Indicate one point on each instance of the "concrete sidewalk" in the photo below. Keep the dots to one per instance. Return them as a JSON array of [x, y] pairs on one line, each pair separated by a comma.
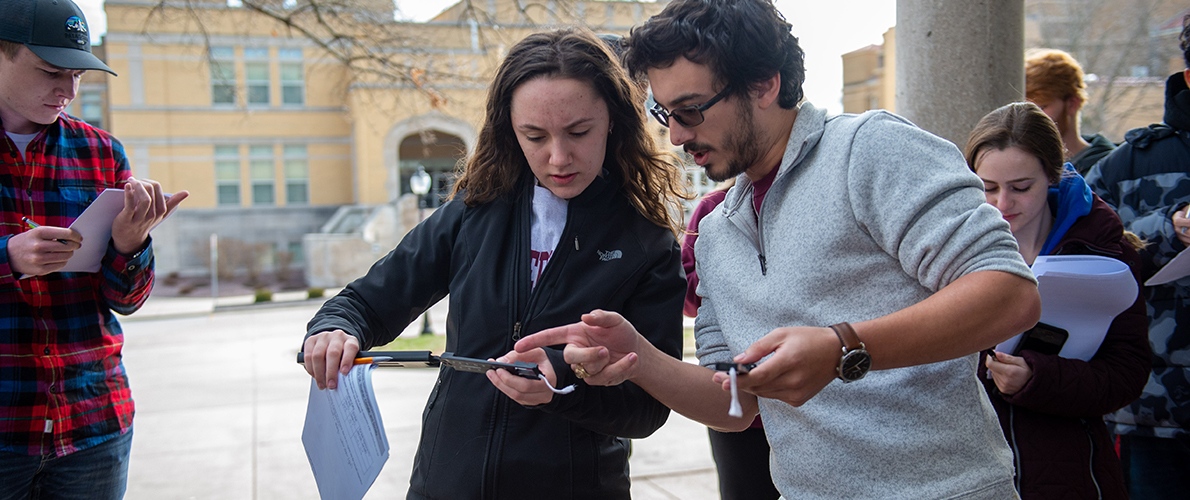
[[221, 403]]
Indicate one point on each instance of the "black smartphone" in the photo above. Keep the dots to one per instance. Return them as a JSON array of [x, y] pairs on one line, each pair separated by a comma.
[[518, 368], [396, 358], [1042, 339], [739, 367]]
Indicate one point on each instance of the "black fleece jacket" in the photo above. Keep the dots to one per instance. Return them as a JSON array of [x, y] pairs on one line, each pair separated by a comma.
[[475, 441]]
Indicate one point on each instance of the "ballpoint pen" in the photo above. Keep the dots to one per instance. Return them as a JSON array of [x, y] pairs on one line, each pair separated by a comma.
[[33, 225]]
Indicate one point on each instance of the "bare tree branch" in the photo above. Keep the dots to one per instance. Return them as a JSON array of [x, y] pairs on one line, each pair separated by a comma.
[[373, 47]]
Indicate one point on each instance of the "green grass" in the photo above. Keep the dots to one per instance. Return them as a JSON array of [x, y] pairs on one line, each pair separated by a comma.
[[432, 343], [437, 343]]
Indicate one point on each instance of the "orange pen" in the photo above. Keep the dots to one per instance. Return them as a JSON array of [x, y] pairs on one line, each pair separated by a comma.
[[368, 361]]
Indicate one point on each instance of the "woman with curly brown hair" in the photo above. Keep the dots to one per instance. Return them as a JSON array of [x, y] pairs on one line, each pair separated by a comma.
[[566, 206]]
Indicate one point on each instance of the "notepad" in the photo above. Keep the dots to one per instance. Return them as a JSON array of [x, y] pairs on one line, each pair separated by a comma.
[[95, 224]]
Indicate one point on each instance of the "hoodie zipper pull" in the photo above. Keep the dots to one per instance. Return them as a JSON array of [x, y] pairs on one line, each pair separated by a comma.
[[764, 265], [576, 243], [516, 331]]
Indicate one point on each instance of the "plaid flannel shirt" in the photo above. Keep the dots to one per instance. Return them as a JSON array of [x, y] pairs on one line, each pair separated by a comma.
[[62, 384]]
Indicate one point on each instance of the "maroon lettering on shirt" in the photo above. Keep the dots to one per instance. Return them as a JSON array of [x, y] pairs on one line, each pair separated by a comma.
[[537, 262]]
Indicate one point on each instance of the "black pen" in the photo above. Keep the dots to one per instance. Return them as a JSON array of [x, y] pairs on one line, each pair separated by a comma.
[[34, 225]]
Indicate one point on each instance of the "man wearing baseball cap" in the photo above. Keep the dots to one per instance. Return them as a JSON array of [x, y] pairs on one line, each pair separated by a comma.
[[65, 407]]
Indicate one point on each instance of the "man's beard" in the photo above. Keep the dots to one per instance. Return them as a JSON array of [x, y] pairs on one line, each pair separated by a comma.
[[744, 144]]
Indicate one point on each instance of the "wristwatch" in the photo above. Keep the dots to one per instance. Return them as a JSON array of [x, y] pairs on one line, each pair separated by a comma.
[[856, 361]]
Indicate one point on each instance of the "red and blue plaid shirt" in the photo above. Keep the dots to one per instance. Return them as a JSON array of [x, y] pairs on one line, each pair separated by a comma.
[[62, 384]]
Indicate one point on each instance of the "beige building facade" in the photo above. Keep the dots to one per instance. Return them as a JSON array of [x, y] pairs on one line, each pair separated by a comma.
[[297, 160]]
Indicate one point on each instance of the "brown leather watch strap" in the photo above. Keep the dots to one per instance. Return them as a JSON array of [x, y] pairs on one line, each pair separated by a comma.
[[847, 336]]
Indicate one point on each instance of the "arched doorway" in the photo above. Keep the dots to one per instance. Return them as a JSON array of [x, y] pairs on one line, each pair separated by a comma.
[[433, 140], [438, 152]]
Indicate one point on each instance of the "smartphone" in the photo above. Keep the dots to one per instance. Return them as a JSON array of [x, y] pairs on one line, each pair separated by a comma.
[[739, 367], [398, 358], [1042, 339], [518, 368]]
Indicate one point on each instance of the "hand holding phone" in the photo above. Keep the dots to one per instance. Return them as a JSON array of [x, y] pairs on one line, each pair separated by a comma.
[[476, 365], [1042, 339], [739, 367], [735, 409]]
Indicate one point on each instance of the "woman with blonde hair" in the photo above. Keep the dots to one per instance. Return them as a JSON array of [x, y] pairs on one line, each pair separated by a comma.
[[565, 206]]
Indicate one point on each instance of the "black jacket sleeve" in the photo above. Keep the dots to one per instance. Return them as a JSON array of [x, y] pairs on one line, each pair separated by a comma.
[[399, 287]]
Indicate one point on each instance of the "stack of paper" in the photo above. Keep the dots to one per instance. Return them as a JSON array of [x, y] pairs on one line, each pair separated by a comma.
[[1081, 294], [344, 436]]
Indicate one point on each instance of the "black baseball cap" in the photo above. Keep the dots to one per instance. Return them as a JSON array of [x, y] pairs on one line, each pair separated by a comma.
[[55, 30]]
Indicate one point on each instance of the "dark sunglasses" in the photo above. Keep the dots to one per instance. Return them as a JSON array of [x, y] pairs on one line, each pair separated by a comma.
[[688, 116]]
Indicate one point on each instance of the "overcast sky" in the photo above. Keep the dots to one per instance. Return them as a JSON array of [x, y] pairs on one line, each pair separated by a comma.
[[825, 29]]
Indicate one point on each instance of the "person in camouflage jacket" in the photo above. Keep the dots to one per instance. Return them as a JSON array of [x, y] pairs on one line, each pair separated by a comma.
[[1147, 181]]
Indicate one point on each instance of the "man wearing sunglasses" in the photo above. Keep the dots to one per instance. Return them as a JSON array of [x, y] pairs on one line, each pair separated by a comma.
[[848, 244]]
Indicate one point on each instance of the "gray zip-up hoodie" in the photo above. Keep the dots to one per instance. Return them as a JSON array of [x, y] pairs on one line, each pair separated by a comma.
[[868, 215]]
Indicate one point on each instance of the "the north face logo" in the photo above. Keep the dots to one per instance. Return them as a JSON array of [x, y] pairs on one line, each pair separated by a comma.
[[609, 255]]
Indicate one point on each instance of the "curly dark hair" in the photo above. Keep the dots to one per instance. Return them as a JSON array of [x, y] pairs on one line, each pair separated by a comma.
[[744, 42], [652, 178], [1185, 39]]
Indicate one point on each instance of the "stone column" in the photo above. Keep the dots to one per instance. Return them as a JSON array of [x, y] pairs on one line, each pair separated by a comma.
[[956, 61]]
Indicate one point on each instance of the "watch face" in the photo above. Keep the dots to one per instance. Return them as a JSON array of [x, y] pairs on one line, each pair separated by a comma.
[[854, 365]]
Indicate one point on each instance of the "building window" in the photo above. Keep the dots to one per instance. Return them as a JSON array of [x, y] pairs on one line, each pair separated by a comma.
[[227, 175], [293, 85], [297, 175], [296, 254], [256, 75], [91, 108], [261, 171], [223, 75]]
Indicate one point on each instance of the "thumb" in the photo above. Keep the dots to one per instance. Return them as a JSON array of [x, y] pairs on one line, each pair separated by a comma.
[[602, 319], [174, 199]]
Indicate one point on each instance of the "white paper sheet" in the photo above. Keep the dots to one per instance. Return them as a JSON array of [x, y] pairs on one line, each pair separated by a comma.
[[1176, 269], [1081, 294], [95, 224], [344, 436]]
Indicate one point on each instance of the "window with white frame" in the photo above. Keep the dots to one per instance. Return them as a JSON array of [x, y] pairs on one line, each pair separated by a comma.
[[227, 175], [297, 174], [262, 173], [91, 107], [256, 75], [223, 75], [293, 83]]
